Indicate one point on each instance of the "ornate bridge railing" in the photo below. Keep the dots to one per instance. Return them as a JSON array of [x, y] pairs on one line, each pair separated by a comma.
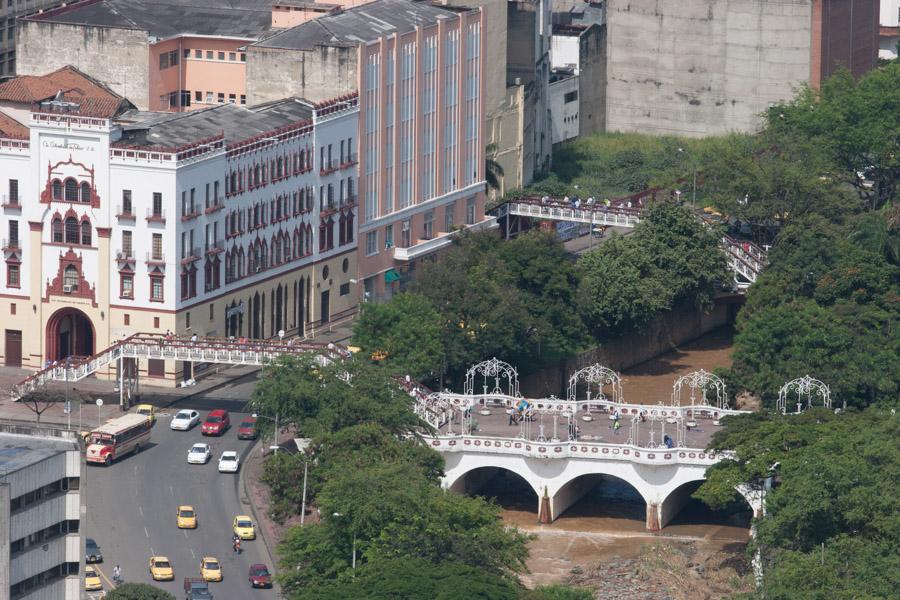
[[575, 449]]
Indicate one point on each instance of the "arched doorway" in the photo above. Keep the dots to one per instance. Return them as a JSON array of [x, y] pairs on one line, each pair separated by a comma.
[[69, 333]]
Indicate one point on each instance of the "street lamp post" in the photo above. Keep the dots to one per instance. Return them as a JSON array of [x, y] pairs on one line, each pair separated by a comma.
[[353, 559], [274, 446]]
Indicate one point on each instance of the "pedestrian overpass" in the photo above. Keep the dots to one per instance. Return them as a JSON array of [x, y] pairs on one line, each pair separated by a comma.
[[225, 351], [746, 260]]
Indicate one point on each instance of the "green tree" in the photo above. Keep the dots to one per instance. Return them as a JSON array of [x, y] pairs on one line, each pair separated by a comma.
[[317, 399], [672, 259], [493, 170], [138, 591], [413, 578], [856, 123], [281, 472], [407, 330], [557, 592], [832, 524]]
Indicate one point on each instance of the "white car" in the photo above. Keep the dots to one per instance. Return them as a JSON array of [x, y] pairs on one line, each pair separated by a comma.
[[185, 420], [229, 462], [199, 454]]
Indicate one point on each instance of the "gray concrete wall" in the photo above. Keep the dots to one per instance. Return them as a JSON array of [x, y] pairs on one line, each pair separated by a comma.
[[702, 67], [117, 57], [592, 81], [4, 539], [316, 75], [665, 333]]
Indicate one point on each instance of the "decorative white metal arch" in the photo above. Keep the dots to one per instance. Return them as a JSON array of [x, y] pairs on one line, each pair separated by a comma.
[[499, 371], [807, 389], [703, 382], [599, 376]]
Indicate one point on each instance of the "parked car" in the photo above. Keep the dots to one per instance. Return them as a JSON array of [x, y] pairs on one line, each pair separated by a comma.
[[217, 423], [247, 430], [185, 420], [199, 454], [92, 552], [229, 462], [259, 576]]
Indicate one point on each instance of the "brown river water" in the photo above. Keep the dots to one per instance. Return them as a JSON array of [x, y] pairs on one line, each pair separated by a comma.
[[608, 522]]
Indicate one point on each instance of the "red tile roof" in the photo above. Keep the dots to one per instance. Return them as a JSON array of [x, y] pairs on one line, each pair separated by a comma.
[[95, 98], [10, 128]]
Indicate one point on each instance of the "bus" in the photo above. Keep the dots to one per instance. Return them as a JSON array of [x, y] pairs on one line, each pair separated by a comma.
[[117, 438]]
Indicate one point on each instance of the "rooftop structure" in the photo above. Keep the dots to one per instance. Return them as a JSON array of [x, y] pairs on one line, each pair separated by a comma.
[[168, 18]]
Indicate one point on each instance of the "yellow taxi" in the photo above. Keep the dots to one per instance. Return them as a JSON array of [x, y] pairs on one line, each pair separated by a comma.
[[147, 409], [92, 579], [210, 569], [187, 518], [161, 569], [243, 527]]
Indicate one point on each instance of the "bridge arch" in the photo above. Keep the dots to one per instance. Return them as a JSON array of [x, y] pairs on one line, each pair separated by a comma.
[[477, 480], [679, 497], [579, 486]]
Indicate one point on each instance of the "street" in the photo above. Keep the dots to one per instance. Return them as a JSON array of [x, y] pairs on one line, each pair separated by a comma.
[[132, 505]]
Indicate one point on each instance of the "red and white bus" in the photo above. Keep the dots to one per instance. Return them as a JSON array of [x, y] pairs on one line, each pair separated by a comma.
[[117, 438]]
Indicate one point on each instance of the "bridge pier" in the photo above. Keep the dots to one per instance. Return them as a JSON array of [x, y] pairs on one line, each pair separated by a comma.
[[568, 495]]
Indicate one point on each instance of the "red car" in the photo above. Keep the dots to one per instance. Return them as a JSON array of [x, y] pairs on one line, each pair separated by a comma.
[[259, 576], [247, 430], [217, 423]]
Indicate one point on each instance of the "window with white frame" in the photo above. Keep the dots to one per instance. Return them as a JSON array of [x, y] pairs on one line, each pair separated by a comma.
[[371, 243]]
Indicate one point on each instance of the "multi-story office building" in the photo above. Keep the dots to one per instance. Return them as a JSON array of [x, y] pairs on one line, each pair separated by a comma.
[[419, 71], [41, 502], [224, 221]]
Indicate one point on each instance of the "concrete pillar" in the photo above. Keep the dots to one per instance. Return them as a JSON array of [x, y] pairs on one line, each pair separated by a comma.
[[653, 517]]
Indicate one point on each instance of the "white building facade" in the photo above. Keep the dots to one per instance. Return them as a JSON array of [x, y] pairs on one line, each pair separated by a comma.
[[225, 221], [41, 504]]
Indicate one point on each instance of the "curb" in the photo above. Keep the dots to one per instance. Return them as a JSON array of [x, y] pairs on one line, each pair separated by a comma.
[[242, 479]]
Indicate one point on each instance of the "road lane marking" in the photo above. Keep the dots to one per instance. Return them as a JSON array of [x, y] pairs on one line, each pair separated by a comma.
[[103, 575], [141, 510], [194, 556], [152, 552], [171, 491], [147, 533]]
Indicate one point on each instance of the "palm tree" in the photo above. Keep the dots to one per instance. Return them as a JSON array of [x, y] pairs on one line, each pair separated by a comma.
[[493, 171]]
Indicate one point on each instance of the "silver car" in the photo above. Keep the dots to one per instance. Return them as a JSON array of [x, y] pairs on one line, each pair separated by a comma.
[[185, 420], [199, 454]]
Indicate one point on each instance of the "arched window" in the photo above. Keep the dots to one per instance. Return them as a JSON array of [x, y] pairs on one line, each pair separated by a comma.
[[86, 233], [57, 230], [298, 246], [276, 252], [71, 230], [70, 277], [57, 189], [286, 242], [71, 190], [85, 191], [240, 263]]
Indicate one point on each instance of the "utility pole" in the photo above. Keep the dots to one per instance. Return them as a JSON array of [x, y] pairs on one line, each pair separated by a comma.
[[303, 505]]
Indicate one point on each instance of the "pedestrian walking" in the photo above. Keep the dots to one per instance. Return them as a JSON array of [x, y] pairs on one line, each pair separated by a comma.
[[616, 427]]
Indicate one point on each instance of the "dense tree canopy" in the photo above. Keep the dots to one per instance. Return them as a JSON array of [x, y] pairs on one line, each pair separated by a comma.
[[672, 259], [832, 525], [484, 297]]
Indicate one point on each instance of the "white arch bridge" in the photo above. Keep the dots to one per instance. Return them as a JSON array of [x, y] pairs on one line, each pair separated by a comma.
[[560, 446]]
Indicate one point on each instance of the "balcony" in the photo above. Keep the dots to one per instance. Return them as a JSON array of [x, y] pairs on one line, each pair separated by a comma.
[[350, 161], [213, 208], [191, 255], [192, 213], [124, 255], [124, 214], [155, 258], [442, 240], [11, 245], [154, 216], [348, 201], [215, 247], [329, 168], [12, 202]]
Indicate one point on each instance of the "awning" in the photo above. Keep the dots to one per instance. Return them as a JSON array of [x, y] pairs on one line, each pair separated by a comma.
[[391, 275]]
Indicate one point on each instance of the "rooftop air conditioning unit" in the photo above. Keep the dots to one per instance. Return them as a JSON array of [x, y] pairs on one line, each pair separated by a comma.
[[67, 289]]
